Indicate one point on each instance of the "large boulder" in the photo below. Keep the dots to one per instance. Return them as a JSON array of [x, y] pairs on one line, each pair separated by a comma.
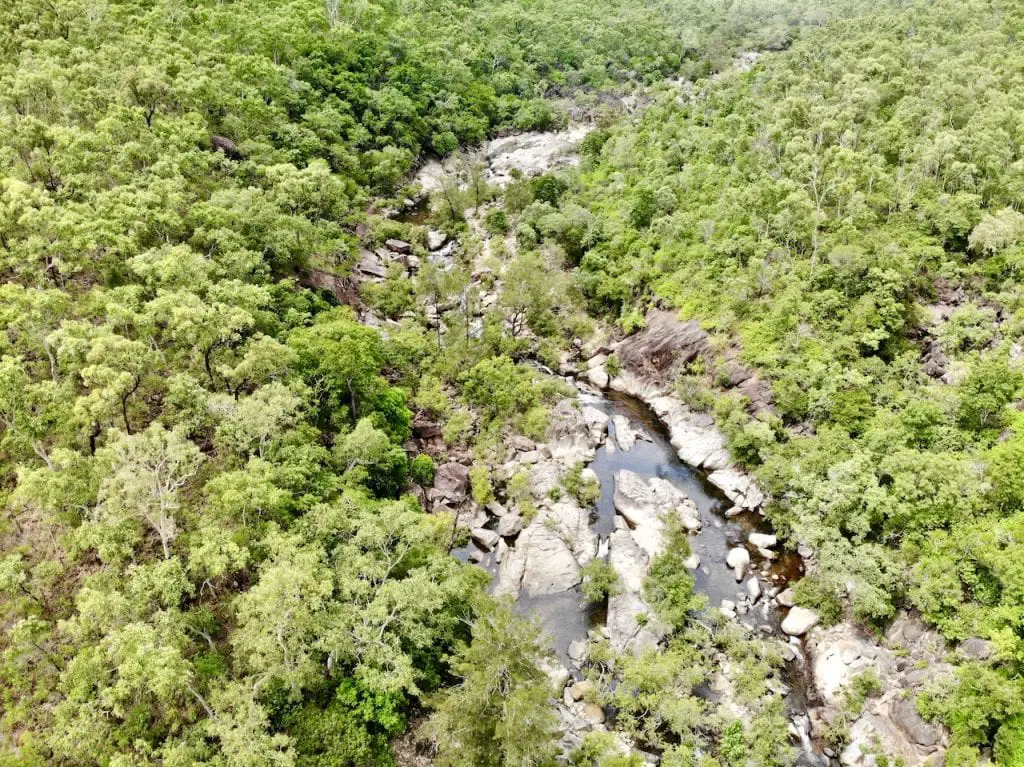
[[370, 265], [659, 351], [644, 502], [799, 621], [737, 559], [551, 566], [574, 432], [398, 246], [549, 552], [451, 483], [436, 239], [738, 486], [598, 378]]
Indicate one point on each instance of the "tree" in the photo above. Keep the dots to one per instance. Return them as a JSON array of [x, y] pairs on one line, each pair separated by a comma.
[[500, 712], [148, 473]]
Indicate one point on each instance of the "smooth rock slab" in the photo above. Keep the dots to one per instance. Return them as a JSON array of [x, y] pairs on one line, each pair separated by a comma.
[[625, 631], [625, 434], [628, 559]]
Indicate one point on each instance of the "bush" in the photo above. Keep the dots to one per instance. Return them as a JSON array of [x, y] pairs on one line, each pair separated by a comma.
[[480, 483], [421, 470], [600, 580], [495, 221]]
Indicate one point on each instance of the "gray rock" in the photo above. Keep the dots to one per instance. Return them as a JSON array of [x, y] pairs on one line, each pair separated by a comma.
[[486, 539], [509, 525], [370, 265], [628, 559], [520, 443], [642, 502], [556, 673], [786, 598], [738, 487], [696, 439], [625, 630], [753, 587], [762, 541], [976, 648], [598, 378], [799, 621], [904, 713], [625, 435], [398, 246], [550, 564], [575, 432], [436, 239], [578, 650]]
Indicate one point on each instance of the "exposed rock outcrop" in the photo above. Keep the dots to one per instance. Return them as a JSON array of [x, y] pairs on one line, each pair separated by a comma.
[[575, 431], [644, 502], [889, 723]]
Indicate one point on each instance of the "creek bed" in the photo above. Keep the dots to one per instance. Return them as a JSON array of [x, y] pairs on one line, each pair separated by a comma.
[[566, 617]]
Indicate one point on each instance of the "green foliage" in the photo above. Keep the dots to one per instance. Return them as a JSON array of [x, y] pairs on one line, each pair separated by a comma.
[[481, 487], [498, 713], [586, 490], [496, 221], [600, 580], [669, 585], [421, 470]]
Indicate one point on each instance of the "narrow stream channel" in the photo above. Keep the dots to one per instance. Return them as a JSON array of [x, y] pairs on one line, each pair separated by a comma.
[[567, 617]]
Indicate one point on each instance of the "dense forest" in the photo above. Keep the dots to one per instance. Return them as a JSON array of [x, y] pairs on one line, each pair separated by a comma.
[[214, 547], [848, 214]]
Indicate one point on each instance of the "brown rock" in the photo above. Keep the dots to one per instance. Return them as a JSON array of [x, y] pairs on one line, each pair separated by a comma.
[[451, 482], [399, 246]]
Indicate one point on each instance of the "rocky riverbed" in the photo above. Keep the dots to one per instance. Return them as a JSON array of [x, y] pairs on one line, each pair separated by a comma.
[[650, 456]]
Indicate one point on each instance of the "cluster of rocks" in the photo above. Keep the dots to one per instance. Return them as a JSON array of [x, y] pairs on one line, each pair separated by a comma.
[[649, 363], [373, 264], [577, 708], [642, 507], [797, 621], [530, 154], [540, 547], [910, 657]]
